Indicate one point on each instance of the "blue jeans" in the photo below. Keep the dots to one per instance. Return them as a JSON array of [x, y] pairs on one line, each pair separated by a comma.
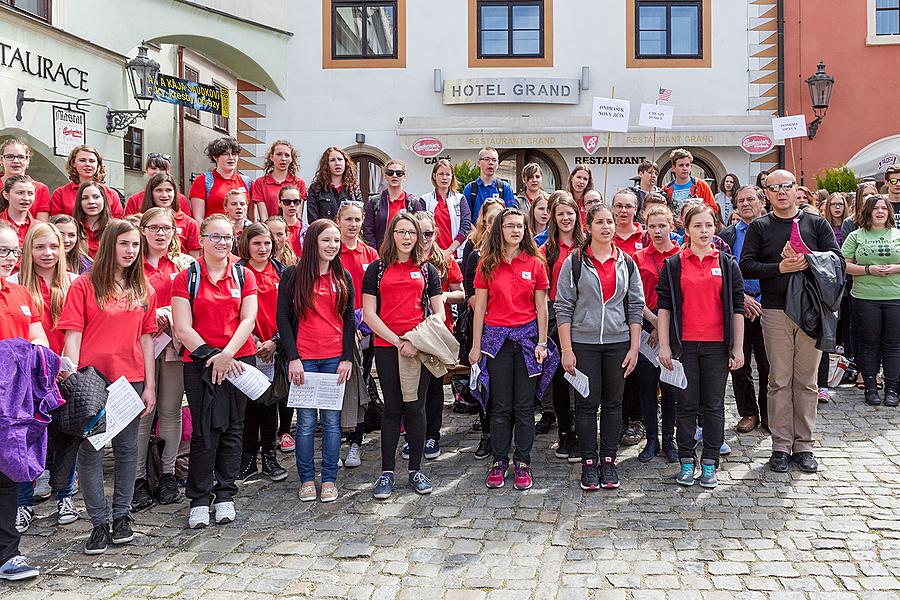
[[26, 490], [331, 431]]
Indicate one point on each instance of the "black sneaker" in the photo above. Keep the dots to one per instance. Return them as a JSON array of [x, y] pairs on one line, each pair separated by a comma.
[[545, 423], [99, 540], [141, 498], [168, 489], [121, 530], [564, 446], [484, 448], [609, 476], [632, 434], [590, 477], [271, 468], [805, 461], [574, 450], [780, 462], [248, 466]]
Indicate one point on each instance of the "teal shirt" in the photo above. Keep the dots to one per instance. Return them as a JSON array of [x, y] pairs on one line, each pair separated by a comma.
[[871, 247]]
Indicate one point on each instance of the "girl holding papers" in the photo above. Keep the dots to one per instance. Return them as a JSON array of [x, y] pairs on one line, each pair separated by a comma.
[[599, 308], [704, 329], [109, 318]]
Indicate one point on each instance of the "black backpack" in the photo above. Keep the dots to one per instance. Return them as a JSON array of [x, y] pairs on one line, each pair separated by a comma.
[[237, 271], [473, 192], [423, 269]]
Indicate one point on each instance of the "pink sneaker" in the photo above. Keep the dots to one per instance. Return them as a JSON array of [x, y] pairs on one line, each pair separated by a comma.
[[523, 477], [824, 395], [497, 475], [286, 443]]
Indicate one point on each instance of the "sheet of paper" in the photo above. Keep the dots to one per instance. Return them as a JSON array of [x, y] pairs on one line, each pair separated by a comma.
[[66, 365], [122, 405], [675, 377], [160, 342], [648, 351], [474, 372], [251, 381], [319, 390], [580, 382], [266, 368]]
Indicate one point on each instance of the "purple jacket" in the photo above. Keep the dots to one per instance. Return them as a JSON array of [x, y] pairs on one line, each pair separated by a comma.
[[375, 221], [493, 338], [28, 394]]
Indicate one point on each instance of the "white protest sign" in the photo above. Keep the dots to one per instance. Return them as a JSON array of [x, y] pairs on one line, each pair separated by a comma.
[[610, 114], [656, 115], [785, 128]]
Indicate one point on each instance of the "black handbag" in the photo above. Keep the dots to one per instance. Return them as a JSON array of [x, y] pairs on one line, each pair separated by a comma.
[[84, 413], [280, 387]]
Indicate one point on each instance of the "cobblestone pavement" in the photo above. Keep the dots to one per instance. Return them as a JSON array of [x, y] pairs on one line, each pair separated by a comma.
[[835, 534]]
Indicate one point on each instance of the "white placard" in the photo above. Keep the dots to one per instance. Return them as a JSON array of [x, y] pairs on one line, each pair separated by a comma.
[[250, 381], [122, 405], [160, 342], [785, 128], [580, 382], [319, 390], [649, 352], [674, 377], [656, 115], [609, 114]]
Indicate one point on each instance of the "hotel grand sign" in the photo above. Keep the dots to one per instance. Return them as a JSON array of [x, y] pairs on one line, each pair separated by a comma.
[[514, 90]]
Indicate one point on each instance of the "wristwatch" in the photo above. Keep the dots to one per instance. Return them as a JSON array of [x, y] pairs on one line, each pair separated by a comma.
[[542, 345]]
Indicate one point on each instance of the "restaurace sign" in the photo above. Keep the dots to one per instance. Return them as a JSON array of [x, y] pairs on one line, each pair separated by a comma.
[[36, 65]]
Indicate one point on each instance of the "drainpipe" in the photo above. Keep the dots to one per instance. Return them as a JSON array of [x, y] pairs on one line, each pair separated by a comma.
[[181, 122]]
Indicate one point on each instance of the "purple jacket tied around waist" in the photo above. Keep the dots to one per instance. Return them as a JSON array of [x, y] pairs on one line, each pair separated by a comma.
[[493, 338], [28, 394]]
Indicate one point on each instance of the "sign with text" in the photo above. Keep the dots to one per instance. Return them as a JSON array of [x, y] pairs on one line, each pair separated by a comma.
[[68, 130], [518, 90], [785, 128], [192, 94], [757, 143], [427, 147], [656, 115], [609, 114]]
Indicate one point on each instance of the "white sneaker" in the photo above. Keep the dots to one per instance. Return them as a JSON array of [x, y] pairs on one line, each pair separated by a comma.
[[354, 458], [42, 489], [67, 511], [224, 512], [199, 517], [24, 517]]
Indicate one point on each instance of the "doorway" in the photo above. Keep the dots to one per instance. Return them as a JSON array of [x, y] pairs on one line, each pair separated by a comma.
[[700, 169], [513, 161], [369, 173]]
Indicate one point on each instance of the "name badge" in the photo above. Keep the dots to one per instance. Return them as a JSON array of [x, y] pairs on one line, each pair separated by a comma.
[[365, 266], [415, 275], [25, 310], [526, 275], [178, 230], [172, 276], [638, 246], [333, 288], [716, 272], [235, 293]]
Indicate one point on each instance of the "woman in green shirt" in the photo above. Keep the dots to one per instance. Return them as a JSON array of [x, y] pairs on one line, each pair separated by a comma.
[[873, 259]]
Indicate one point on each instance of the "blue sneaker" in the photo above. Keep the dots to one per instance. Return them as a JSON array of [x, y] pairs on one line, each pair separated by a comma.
[[17, 568], [698, 435], [404, 452], [432, 449], [725, 449], [384, 486], [708, 473], [420, 482], [686, 476]]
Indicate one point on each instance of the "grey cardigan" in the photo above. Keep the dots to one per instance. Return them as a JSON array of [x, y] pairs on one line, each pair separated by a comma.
[[580, 304]]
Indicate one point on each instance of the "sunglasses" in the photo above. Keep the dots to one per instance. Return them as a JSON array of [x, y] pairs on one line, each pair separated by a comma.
[[893, 181], [292, 202], [158, 155], [394, 172]]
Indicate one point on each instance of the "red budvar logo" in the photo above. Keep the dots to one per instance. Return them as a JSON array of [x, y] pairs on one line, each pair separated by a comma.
[[590, 143], [75, 133], [427, 147], [757, 143]]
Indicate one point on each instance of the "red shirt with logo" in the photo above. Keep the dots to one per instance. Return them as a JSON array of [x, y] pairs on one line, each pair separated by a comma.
[[215, 204], [356, 261], [63, 200], [267, 300], [701, 292], [606, 272], [395, 206], [320, 331], [400, 291], [632, 243], [442, 223], [160, 279], [265, 189], [564, 251], [511, 289], [188, 232], [649, 262], [17, 311]]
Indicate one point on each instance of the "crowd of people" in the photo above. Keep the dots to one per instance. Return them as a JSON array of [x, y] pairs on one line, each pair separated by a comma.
[[620, 319]]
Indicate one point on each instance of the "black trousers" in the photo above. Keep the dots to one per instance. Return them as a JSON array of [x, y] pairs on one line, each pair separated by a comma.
[[602, 363], [285, 418], [9, 503], [749, 404], [648, 385], [412, 413], [221, 457], [512, 404], [706, 367], [259, 427], [368, 356], [879, 337], [631, 400], [434, 409]]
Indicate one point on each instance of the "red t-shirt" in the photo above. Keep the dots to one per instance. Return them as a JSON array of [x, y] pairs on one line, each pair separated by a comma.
[[320, 332], [265, 189], [295, 233], [701, 292], [356, 262], [267, 300], [395, 206], [188, 232], [564, 251], [92, 240], [511, 290], [63, 200], [111, 337], [217, 308], [17, 311], [401, 295], [134, 202], [632, 243], [650, 262], [606, 272], [55, 336], [443, 224], [215, 204], [454, 276], [22, 229], [160, 279]]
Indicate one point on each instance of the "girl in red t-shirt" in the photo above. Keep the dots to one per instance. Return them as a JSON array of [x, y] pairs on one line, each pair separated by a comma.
[[394, 289], [510, 297], [16, 200], [581, 181], [84, 165], [92, 215], [15, 156], [162, 191], [109, 318]]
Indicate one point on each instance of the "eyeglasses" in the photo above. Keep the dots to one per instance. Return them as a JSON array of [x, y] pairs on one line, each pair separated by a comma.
[[356, 203], [405, 232], [216, 238], [18, 157], [4, 252], [779, 187], [427, 234], [622, 206], [394, 172], [159, 228], [158, 155], [514, 226], [892, 180], [487, 159], [293, 202]]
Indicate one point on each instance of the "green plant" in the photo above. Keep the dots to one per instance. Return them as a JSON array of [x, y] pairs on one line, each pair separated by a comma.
[[837, 179], [466, 173]]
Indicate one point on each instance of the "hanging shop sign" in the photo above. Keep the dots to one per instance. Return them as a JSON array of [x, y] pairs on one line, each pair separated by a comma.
[[192, 94], [527, 90], [757, 143], [42, 67], [68, 130]]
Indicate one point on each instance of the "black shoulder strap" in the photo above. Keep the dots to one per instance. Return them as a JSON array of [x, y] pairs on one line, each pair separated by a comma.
[[426, 305], [193, 282], [576, 267], [473, 193], [381, 268]]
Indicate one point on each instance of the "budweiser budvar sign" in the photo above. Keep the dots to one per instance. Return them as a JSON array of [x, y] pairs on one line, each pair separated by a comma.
[[757, 143], [427, 147]]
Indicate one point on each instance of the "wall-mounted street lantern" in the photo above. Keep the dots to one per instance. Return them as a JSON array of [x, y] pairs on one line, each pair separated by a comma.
[[820, 86], [142, 71]]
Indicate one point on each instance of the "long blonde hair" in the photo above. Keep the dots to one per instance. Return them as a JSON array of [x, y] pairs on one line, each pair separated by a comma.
[[286, 254], [150, 214], [29, 278], [480, 231], [438, 257]]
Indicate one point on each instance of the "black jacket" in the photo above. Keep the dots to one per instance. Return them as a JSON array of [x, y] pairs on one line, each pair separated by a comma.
[[669, 292], [376, 213], [814, 298], [218, 403], [324, 203], [288, 322]]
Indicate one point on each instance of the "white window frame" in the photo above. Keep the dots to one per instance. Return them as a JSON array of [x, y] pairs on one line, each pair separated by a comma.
[[872, 39]]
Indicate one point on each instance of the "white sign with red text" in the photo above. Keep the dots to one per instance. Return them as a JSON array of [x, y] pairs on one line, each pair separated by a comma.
[[68, 130]]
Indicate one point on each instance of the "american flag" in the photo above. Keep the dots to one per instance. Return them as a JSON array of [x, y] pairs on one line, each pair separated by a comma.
[[664, 94]]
